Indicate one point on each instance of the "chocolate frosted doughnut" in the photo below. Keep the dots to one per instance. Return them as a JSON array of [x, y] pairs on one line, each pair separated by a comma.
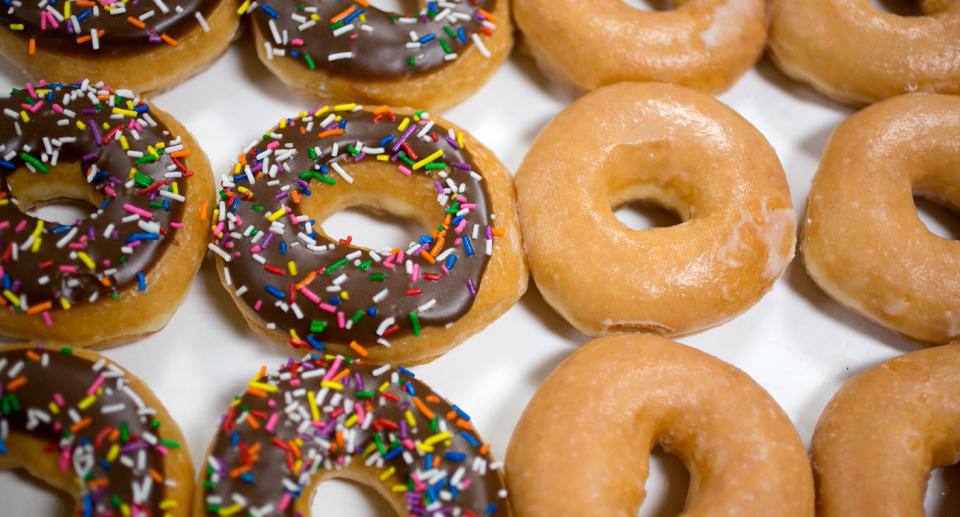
[[298, 286], [143, 45], [337, 49], [123, 271], [324, 418], [84, 425]]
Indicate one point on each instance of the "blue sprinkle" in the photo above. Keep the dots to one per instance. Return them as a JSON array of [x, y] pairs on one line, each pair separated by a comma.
[[236, 203], [461, 412], [143, 108], [104, 464], [234, 439], [105, 203], [88, 505], [456, 220], [426, 39], [6, 282], [247, 477], [428, 461], [342, 124], [84, 15], [305, 191], [408, 386], [7, 165], [239, 177], [3, 447], [425, 239], [492, 507], [294, 53], [455, 456], [166, 205], [314, 343], [324, 169], [141, 282], [276, 292], [461, 35], [432, 7], [371, 311], [353, 16], [283, 247], [470, 439], [451, 260], [467, 246], [335, 300], [393, 453], [60, 229], [142, 237], [406, 372], [269, 10], [386, 140]]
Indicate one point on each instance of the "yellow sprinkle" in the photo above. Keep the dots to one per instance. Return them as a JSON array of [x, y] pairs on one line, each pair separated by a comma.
[[12, 297], [3, 202], [292, 266], [230, 510], [123, 142], [428, 159], [243, 7], [352, 420], [283, 123], [85, 403], [80, 123], [114, 452], [236, 169], [384, 386], [166, 504], [293, 334], [152, 151], [439, 437], [66, 10], [398, 488], [345, 107], [296, 466], [460, 139], [125, 509], [106, 126], [315, 17], [174, 188], [54, 409], [382, 157], [24, 116], [263, 386], [345, 295], [387, 473], [35, 247], [129, 113], [38, 229], [133, 172], [16, 26], [321, 111], [64, 303], [410, 419], [422, 447], [314, 412], [280, 212], [363, 18], [86, 260], [332, 385], [403, 125]]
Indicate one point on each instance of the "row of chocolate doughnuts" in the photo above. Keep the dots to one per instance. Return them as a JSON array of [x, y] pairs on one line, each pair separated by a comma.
[[439, 56]]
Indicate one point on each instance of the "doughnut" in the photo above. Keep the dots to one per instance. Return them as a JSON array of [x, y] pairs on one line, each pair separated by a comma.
[[854, 53], [862, 241], [683, 150], [145, 46], [121, 272], [702, 44], [328, 417], [582, 444], [431, 59], [304, 289], [86, 426], [884, 431]]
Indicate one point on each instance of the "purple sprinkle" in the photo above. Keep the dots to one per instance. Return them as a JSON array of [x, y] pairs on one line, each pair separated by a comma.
[[359, 157], [303, 183], [451, 141], [134, 446], [403, 429], [439, 187], [89, 111], [266, 240], [16, 286], [464, 166], [394, 158], [90, 157], [403, 138], [153, 39], [489, 232], [96, 132], [281, 195], [473, 290]]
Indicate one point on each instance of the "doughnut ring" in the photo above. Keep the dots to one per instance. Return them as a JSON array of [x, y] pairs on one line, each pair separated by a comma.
[[84, 425], [582, 444], [123, 271], [852, 52], [862, 241], [329, 417], [684, 150], [702, 44], [884, 431]]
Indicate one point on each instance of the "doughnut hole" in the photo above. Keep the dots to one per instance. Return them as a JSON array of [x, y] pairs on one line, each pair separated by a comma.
[[49, 488], [33, 496], [351, 481], [397, 6], [943, 492], [61, 196], [940, 218], [899, 7], [652, 5], [377, 188], [666, 486], [357, 498]]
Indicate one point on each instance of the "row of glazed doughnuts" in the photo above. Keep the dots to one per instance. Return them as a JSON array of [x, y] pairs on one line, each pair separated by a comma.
[[847, 49]]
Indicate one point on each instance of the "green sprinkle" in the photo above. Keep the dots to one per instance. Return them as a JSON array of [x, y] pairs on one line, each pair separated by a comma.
[[353, 151], [356, 316], [150, 158], [171, 443], [309, 60], [312, 153], [412, 61], [435, 166], [336, 265], [35, 162], [379, 442], [443, 43], [155, 424], [378, 277], [142, 179], [364, 265], [66, 350], [326, 179], [364, 394], [258, 208], [124, 434], [415, 323], [406, 160], [115, 499], [433, 424], [317, 326]]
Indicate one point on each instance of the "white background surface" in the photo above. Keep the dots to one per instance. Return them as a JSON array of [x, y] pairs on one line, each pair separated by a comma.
[[797, 343]]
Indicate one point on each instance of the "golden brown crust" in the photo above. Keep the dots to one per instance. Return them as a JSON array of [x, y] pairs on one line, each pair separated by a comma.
[[674, 146], [582, 445], [115, 321], [862, 241], [884, 431], [702, 44], [25, 451], [436, 91], [150, 72], [854, 53]]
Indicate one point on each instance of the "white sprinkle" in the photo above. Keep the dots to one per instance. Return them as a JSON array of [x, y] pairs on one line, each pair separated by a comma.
[[340, 55], [480, 46]]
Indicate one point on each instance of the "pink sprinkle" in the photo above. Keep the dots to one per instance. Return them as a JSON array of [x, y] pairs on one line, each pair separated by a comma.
[[272, 421], [176, 225], [389, 265], [273, 144], [161, 449], [461, 226], [333, 368], [404, 170], [6, 224], [297, 42], [408, 443], [415, 272], [65, 455], [340, 321], [360, 412], [56, 107], [30, 89], [47, 319], [95, 386], [109, 189], [327, 307], [58, 398], [20, 226], [68, 269], [257, 305], [255, 249], [445, 270], [400, 257], [136, 210], [310, 295]]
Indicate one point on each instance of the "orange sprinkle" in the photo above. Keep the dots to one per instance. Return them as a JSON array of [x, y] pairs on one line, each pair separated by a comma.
[[33, 356], [40, 307], [340, 375], [424, 254], [464, 424], [306, 281], [114, 435], [487, 15], [433, 398], [256, 392], [330, 132], [243, 159], [423, 408], [105, 281], [263, 371], [16, 383], [358, 349], [498, 232], [484, 449], [254, 449], [135, 22], [83, 39], [436, 461], [96, 483], [235, 473], [183, 153], [33, 46], [437, 247], [156, 476], [169, 40], [451, 414], [294, 448], [363, 3], [80, 425], [296, 197], [85, 3], [343, 14], [253, 422], [382, 109], [302, 130], [339, 439], [203, 211]]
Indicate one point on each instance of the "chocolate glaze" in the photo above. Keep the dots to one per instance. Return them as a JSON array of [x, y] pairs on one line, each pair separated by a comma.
[[120, 36], [26, 410], [380, 51], [253, 281], [289, 410], [22, 276]]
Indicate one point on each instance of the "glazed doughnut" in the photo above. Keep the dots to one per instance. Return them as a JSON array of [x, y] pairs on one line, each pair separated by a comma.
[[343, 49], [144, 46], [582, 444], [884, 431], [88, 427], [702, 44], [407, 305], [862, 241], [329, 417], [679, 148], [123, 271], [852, 52]]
